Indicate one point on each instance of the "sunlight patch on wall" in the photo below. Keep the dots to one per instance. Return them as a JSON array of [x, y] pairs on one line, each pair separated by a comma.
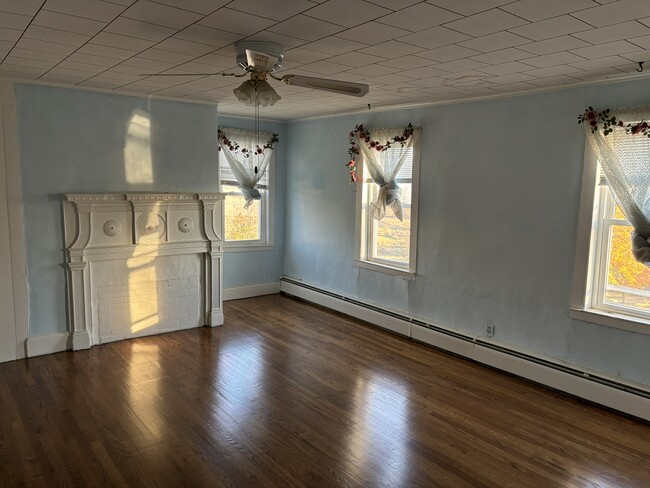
[[138, 166]]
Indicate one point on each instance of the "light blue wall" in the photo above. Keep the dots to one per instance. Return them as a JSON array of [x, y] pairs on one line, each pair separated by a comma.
[[499, 194], [73, 141]]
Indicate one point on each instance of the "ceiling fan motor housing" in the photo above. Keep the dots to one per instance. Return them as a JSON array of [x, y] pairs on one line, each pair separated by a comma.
[[259, 56]]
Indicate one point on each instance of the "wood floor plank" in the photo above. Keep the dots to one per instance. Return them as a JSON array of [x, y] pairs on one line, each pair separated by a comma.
[[286, 394]]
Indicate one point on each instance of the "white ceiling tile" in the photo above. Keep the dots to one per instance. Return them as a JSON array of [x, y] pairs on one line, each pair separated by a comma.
[[513, 87], [598, 74], [600, 63], [554, 59], [334, 45], [395, 4], [68, 23], [215, 60], [55, 35], [304, 56], [29, 54], [447, 53], [156, 13], [85, 67], [486, 23], [419, 17], [14, 21], [435, 37], [468, 7], [181, 46], [105, 51], [5, 46], [614, 13], [306, 28], [406, 62], [642, 42], [534, 10], [165, 56], [556, 44], [494, 42], [207, 35], [31, 63], [554, 81], [390, 78], [552, 71], [511, 78], [139, 29], [428, 82], [11, 35], [11, 70], [325, 67], [502, 56], [204, 7], [460, 65], [422, 73], [96, 60], [22, 7], [234, 21], [626, 30], [119, 41], [557, 26], [505, 68], [88, 9], [147, 65], [355, 59], [373, 33], [126, 3], [347, 13], [47, 47], [276, 10], [608, 49], [371, 70], [391, 49]]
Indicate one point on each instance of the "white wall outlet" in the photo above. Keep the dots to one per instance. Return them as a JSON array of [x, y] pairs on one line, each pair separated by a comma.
[[489, 330]]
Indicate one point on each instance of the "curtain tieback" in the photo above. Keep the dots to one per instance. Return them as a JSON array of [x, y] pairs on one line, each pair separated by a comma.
[[388, 195], [250, 194]]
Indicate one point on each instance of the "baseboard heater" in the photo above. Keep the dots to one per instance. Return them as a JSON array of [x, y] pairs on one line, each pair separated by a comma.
[[595, 388]]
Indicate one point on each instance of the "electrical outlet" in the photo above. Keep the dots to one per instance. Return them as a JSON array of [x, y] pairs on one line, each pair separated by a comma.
[[489, 330]]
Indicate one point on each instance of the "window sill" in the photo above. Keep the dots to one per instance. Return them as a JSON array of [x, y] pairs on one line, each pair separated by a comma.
[[233, 247], [389, 270], [609, 319]]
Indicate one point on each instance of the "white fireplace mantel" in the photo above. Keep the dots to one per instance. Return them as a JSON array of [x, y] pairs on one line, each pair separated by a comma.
[[142, 263]]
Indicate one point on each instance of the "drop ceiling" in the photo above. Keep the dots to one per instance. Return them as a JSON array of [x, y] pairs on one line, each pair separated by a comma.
[[408, 51]]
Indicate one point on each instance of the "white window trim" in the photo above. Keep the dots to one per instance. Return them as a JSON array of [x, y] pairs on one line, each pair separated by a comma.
[[587, 263], [361, 225], [267, 207]]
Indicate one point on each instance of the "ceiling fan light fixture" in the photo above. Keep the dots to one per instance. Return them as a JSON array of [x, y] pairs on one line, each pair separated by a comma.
[[252, 92], [246, 93]]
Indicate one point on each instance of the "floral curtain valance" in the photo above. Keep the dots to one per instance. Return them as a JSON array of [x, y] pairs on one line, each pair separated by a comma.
[[248, 154], [384, 151], [623, 149]]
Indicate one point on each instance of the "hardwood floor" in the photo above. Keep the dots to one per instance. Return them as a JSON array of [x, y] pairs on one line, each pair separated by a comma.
[[287, 394]]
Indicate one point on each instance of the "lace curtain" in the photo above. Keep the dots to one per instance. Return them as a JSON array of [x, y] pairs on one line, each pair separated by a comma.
[[625, 160], [383, 167], [246, 164]]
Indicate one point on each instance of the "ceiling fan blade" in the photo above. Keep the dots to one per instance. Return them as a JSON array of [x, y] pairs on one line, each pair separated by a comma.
[[336, 86]]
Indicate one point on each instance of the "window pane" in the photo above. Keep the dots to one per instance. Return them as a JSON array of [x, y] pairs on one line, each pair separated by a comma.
[[241, 224], [391, 235], [628, 281]]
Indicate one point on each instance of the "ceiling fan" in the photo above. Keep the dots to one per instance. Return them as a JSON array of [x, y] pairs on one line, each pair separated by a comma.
[[259, 59]]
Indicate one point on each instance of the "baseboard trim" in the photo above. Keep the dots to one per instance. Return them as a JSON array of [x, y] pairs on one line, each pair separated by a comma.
[[250, 291], [47, 344], [602, 390]]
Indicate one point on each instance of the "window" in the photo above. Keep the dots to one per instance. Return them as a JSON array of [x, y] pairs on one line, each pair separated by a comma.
[[246, 228], [389, 244], [615, 288]]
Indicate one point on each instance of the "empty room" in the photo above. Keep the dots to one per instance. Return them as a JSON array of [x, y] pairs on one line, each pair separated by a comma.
[[314, 243]]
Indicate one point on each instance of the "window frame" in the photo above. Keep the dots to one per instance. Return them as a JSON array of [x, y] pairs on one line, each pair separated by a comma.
[[591, 259], [267, 206], [364, 224]]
